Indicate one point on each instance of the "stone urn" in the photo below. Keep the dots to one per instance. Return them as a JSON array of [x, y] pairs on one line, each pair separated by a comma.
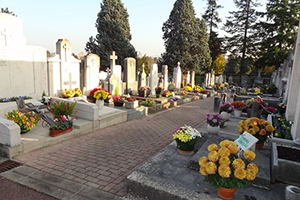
[[237, 112], [225, 115], [100, 103], [213, 129]]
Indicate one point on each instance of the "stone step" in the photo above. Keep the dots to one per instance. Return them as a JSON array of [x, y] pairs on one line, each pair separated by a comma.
[[109, 116]]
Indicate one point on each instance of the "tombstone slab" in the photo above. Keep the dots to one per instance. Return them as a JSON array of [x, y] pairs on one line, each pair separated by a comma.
[[130, 75]]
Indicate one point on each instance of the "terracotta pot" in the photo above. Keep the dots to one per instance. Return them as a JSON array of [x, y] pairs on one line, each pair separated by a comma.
[[226, 193], [57, 132], [225, 115], [259, 146], [213, 129]]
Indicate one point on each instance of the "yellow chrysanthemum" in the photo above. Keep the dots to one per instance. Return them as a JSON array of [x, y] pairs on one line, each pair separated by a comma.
[[240, 173], [213, 156], [252, 131], [233, 148], [261, 122], [240, 130], [250, 176], [249, 155], [241, 123], [202, 171], [224, 151], [224, 143], [262, 132], [253, 168], [210, 168], [238, 163], [224, 160], [224, 171], [203, 160], [256, 128], [268, 123], [212, 147], [269, 128]]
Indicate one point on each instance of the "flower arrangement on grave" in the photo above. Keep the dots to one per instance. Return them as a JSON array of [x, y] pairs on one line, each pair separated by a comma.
[[118, 99], [101, 94], [186, 138], [226, 107], [281, 107], [72, 93], [149, 103], [45, 99], [203, 91], [97, 89], [26, 121], [167, 93], [11, 99], [184, 93], [59, 108], [63, 122], [238, 105], [174, 99], [282, 127], [198, 88], [159, 89], [256, 90], [142, 88], [249, 102], [222, 168], [259, 128], [130, 99], [187, 88], [271, 109], [213, 119], [144, 91]]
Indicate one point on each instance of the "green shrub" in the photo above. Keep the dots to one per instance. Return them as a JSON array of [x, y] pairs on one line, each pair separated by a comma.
[[149, 103]]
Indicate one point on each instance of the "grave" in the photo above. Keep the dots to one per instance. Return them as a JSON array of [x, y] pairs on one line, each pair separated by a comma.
[[153, 78], [177, 76], [90, 72], [130, 75], [142, 77]]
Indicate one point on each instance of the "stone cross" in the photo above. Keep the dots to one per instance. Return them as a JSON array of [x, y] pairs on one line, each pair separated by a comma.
[[113, 59], [70, 82]]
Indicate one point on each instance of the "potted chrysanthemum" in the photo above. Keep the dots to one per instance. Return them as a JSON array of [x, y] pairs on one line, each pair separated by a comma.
[[225, 110], [239, 106], [224, 170], [213, 122], [186, 138], [259, 128]]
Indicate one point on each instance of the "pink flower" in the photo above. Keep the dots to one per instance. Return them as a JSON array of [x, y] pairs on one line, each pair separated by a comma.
[[31, 118], [55, 119], [63, 118], [28, 124]]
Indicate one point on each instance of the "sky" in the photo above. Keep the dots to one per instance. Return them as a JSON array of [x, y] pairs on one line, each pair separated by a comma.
[[44, 22]]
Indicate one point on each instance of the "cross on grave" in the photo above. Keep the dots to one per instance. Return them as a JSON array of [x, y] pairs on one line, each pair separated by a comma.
[[4, 33], [70, 82], [113, 58], [66, 48], [178, 64]]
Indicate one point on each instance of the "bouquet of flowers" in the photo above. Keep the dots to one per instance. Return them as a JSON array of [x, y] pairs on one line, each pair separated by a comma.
[[203, 91], [223, 169], [72, 93], [130, 99], [26, 121], [184, 93], [239, 105], [61, 108], [159, 89], [142, 88], [226, 107], [186, 134], [167, 93], [118, 98], [97, 89], [187, 88], [214, 120], [259, 128], [62, 122], [101, 94]]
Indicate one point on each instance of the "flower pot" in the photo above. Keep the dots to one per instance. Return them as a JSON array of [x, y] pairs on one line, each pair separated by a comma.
[[259, 146], [57, 132], [213, 129], [226, 193], [120, 104], [100, 103], [185, 147], [204, 96], [225, 115], [144, 93], [158, 95], [237, 113], [131, 104]]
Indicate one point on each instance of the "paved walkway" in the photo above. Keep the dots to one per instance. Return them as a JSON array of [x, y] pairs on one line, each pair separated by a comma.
[[104, 158]]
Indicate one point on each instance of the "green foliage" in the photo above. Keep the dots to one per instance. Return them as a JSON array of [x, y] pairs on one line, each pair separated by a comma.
[[240, 25], [61, 108], [278, 32], [211, 15], [11, 99], [147, 62], [116, 92], [185, 38], [26, 121], [62, 122], [5, 10], [113, 33], [149, 103]]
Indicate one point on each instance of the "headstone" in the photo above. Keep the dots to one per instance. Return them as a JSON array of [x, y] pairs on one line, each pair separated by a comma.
[[177, 76], [193, 79], [147, 80], [188, 78], [130, 75], [255, 108], [113, 59], [217, 102], [244, 80], [166, 77], [142, 77], [153, 78], [258, 80], [230, 79], [114, 81], [91, 72], [118, 71]]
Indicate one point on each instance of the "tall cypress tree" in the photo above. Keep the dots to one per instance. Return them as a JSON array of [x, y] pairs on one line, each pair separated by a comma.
[[113, 33], [186, 38], [240, 25], [278, 31]]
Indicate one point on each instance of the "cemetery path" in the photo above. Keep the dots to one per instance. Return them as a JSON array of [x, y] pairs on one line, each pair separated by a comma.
[[104, 158]]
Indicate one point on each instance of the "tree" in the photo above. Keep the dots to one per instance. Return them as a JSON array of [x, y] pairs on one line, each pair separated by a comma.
[[212, 19], [185, 38], [5, 10], [147, 62], [240, 25], [219, 64], [278, 32], [113, 33]]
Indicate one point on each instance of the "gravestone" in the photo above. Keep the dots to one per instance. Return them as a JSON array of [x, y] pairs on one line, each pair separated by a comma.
[[177, 76], [91, 72], [188, 78], [118, 71], [230, 79], [142, 77], [114, 80], [166, 77], [130, 75], [258, 80], [153, 78], [193, 79]]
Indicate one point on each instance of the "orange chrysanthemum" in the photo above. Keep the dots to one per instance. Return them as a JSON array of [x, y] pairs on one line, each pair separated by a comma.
[[224, 151], [224, 171], [224, 143], [240, 173], [224, 160], [202, 171], [250, 176], [269, 128], [253, 168], [210, 168], [212, 147], [213, 156], [233, 148], [249, 155], [238, 163], [262, 132], [203, 160]]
